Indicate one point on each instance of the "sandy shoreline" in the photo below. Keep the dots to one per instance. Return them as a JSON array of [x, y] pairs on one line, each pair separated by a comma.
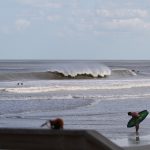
[[134, 142], [143, 147]]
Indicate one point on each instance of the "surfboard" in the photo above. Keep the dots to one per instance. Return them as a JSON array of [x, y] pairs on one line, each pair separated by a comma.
[[133, 121]]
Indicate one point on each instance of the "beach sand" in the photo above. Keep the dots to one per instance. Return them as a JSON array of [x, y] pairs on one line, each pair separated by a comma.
[[134, 142], [143, 147]]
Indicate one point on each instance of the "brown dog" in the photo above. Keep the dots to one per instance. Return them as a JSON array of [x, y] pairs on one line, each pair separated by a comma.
[[57, 123]]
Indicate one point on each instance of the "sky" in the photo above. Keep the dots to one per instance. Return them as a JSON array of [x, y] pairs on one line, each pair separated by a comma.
[[75, 29]]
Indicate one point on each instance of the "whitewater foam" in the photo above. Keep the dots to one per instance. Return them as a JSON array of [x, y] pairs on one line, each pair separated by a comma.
[[77, 85], [94, 70]]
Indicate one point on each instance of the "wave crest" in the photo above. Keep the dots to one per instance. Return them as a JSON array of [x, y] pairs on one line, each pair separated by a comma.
[[81, 71], [64, 71], [123, 72]]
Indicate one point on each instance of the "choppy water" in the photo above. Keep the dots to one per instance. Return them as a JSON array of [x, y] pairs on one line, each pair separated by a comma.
[[86, 94]]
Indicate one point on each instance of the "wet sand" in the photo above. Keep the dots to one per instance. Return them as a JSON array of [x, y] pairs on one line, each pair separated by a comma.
[[134, 142], [144, 147]]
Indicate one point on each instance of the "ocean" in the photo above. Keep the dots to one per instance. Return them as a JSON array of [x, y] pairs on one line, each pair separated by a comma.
[[87, 94]]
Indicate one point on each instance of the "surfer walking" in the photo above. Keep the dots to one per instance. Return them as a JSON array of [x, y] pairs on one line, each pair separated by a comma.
[[135, 115]]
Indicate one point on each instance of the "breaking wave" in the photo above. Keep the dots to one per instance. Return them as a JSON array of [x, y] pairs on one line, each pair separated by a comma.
[[81, 71], [67, 71]]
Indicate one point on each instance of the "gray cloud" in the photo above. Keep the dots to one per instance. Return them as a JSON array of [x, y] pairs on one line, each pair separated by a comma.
[[41, 3], [127, 13], [22, 24], [90, 16]]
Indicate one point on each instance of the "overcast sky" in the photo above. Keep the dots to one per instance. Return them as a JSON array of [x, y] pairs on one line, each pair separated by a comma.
[[74, 29]]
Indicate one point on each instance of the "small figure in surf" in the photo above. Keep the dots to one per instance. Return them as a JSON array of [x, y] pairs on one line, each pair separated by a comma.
[[19, 83], [135, 115], [57, 123]]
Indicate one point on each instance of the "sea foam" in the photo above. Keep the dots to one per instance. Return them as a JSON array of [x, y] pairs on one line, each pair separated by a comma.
[[73, 70]]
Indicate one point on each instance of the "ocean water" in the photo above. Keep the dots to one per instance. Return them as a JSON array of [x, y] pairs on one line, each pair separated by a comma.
[[86, 94]]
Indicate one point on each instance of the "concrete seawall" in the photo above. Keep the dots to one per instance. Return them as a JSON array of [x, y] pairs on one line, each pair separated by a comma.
[[11, 138]]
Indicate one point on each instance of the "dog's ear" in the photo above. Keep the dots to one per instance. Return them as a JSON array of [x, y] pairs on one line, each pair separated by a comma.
[[44, 124]]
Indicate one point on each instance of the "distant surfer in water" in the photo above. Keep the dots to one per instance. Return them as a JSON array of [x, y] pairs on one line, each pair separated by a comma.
[[57, 123], [19, 83], [135, 115]]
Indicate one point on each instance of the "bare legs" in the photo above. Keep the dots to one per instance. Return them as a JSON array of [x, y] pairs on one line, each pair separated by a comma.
[[137, 127]]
